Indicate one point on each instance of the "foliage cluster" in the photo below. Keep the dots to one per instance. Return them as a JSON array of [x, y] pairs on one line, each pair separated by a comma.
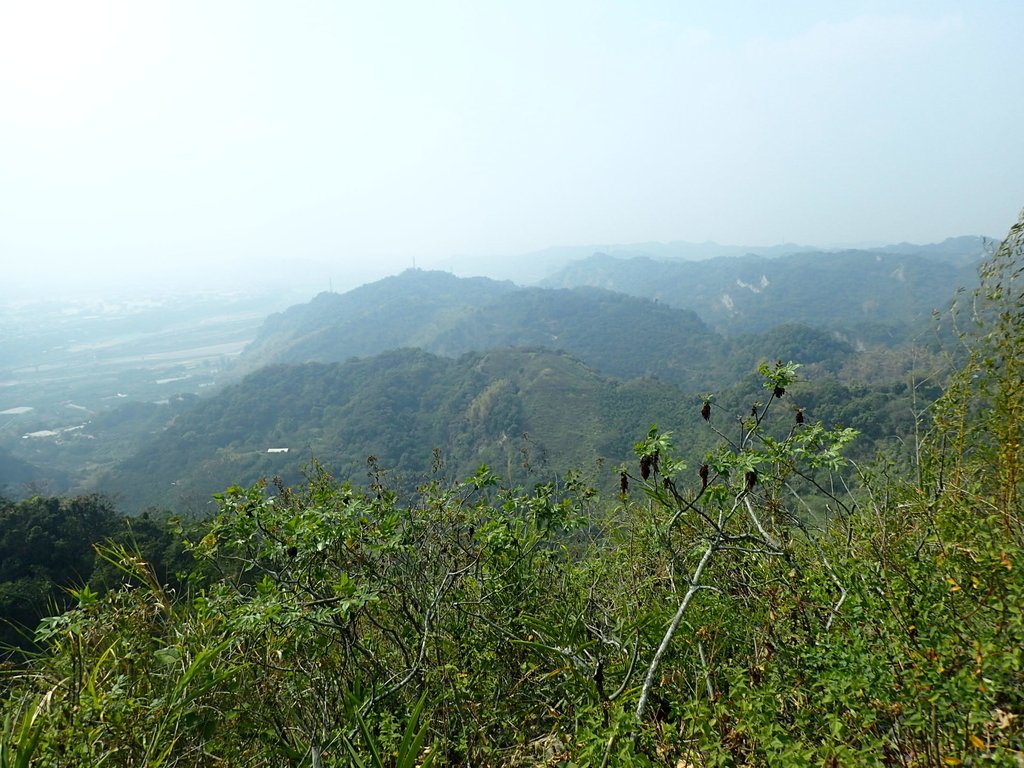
[[46, 547]]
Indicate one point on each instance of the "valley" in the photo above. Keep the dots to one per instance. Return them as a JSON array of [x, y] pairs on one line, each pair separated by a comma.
[[67, 369], [158, 402]]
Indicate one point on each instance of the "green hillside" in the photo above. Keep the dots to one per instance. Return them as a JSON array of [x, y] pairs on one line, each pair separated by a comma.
[[406, 310], [15, 473], [616, 334], [518, 410], [528, 413]]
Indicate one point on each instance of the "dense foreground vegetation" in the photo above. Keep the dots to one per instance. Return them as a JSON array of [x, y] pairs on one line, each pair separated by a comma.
[[765, 603]]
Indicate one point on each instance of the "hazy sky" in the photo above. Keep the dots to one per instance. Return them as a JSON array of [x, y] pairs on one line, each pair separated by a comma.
[[147, 136]]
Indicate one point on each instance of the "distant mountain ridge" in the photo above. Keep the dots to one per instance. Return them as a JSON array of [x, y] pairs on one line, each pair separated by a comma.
[[534, 267], [641, 325], [963, 250], [405, 310], [676, 320], [845, 290], [490, 372], [616, 334]]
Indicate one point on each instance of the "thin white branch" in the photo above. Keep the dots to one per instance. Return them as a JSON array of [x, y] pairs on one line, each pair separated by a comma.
[[652, 670], [767, 537]]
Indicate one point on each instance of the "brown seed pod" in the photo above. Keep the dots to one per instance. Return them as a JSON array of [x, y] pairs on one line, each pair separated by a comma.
[[779, 391], [623, 482], [750, 479], [645, 467], [799, 415], [293, 551], [705, 411], [703, 472]]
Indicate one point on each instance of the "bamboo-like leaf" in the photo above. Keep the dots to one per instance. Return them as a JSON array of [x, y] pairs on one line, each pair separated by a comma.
[[356, 760], [18, 743], [371, 742], [412, 740]]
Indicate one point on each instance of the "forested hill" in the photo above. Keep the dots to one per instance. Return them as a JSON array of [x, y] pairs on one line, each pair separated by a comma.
[[618, 335], [677, 320], [515, 410], [405, 310], [15, 472], [871, 295]]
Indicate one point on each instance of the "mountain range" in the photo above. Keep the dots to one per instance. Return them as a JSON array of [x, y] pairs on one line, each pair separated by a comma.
[[619, 335], [527, 379], [869, 295], [536, 266]]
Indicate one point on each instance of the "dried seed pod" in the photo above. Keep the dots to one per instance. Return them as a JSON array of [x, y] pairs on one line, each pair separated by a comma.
[[779, 391], [753, 410], [645, 467], [703, 472], [293, 551], [705, 411], [623, 483], [799, 415], [750, 479]]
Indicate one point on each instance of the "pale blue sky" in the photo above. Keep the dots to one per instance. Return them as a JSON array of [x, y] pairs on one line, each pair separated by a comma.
[[142, 138]]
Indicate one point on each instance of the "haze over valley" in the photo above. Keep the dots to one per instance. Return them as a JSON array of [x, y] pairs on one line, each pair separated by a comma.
[[90, 388]]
